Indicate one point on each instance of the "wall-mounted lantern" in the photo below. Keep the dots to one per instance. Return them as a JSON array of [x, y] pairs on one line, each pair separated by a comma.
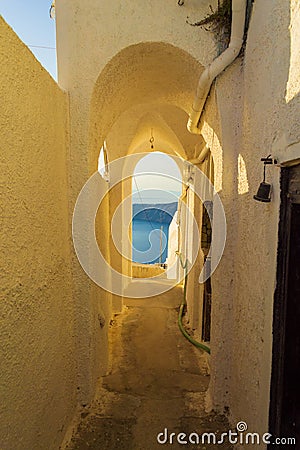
[[264, 190], [52, 10]]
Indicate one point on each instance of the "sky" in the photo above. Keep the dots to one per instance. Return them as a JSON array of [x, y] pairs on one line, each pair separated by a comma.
[[31, 22], [154, 188]]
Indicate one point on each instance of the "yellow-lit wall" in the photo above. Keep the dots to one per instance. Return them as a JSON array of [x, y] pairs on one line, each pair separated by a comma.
[[37, 363], [110, 82], [251, 118], [117, 56], [128, 56], [119, 61]]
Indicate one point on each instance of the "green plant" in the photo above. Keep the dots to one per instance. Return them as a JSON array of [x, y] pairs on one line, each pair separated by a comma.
[[218, 21]]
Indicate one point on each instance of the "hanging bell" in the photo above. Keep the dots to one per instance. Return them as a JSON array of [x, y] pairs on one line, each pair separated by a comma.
[[263, 193], [151, 140]]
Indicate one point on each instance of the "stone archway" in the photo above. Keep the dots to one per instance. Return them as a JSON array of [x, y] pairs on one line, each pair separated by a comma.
[[150, 73]]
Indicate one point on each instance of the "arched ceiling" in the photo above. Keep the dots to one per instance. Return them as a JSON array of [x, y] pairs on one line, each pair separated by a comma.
[[132, 131], [155, 78]]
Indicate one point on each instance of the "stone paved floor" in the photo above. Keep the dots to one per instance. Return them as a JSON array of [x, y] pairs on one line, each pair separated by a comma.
[[157, 380]]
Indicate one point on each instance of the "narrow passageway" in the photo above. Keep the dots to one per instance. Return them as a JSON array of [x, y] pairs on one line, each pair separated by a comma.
[[157, 380]]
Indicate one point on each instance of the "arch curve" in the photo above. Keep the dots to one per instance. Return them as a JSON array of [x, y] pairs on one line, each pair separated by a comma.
[[141, 74]]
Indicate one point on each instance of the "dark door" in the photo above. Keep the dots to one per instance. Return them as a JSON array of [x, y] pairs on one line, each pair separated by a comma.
[[206, 236], [285, 386]]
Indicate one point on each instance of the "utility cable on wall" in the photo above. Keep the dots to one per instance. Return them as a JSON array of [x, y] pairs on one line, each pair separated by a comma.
[[41, 46]]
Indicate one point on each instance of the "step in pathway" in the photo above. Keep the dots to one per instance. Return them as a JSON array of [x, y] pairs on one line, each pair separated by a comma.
[[154, 391]]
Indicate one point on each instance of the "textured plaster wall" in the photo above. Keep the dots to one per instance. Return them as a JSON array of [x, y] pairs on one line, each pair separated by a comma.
[[100, 37], [118, 59], [38, 373], [114, 57], [266, 117], [250, 101], [90, 33], [146, 270]]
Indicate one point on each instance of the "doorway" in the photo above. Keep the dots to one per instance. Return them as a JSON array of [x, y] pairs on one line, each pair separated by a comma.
[[156, 187], [285, 392]]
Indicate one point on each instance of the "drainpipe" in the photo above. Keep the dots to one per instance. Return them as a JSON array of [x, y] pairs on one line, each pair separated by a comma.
[[201, 157], [219, 64]]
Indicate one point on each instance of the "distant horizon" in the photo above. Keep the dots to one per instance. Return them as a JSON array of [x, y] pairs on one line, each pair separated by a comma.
[[154, 196], [156, 203]]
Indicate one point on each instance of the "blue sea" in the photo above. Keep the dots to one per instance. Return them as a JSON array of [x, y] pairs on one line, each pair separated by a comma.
[[142, 251]]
